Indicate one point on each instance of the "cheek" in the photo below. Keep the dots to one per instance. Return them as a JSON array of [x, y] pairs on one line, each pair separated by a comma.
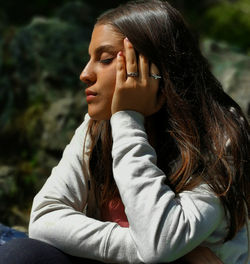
[[111, 79]]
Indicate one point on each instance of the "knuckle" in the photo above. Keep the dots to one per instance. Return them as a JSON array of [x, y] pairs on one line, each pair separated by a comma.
[[132, 84], [119, 67], [122, 86], [132, 63], [144, 83]]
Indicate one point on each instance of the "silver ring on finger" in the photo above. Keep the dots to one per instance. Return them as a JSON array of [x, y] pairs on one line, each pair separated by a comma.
[[155, 76], [132, 74]]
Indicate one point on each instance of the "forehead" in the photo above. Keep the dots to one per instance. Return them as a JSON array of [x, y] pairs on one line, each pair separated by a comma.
[[105, 35]]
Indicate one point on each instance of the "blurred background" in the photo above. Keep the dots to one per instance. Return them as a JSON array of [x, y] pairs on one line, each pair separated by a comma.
[[43, 48]]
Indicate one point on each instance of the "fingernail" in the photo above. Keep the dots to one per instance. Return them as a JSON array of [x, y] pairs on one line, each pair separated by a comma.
[[119, 54], [128, 42]]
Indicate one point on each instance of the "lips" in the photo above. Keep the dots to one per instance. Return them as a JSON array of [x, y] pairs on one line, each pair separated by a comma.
[[90, 95], [89, 92]]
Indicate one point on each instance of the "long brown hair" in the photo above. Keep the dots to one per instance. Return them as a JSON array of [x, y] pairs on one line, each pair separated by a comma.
[[202, 134]]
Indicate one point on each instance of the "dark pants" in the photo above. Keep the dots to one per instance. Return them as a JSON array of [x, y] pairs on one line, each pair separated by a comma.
[[30, 251]]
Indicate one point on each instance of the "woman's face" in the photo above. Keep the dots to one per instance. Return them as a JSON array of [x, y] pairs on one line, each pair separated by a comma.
[[100, 72]]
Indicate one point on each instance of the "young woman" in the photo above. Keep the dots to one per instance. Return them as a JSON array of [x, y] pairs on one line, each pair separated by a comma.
[[159, 169]]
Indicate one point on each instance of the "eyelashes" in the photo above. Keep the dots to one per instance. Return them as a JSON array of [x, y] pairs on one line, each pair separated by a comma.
[[106, 61]]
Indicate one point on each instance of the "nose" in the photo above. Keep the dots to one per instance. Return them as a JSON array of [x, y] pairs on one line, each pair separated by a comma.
[[88, 75]]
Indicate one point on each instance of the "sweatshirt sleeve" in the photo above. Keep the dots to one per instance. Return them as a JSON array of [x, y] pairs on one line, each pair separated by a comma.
[[163, 225], [58, 218]]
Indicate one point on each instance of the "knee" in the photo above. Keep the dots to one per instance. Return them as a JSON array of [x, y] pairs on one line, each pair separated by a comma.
[[29, 251]]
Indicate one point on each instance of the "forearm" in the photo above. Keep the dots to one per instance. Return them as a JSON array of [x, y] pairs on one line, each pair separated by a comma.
[[71, 232], [76, 234], [163, 226]]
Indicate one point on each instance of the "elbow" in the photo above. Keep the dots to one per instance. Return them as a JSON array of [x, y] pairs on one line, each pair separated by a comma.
[[150, 258], [151, 254], [33, 231], [159, 251], [31, 228], [36, 230], [33, 234], [155, 257]]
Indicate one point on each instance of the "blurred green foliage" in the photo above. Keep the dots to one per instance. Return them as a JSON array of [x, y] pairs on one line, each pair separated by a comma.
[[21, 12], [229, 21], [40, 63]]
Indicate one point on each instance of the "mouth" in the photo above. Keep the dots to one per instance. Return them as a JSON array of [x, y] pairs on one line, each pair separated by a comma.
[[90, 95]]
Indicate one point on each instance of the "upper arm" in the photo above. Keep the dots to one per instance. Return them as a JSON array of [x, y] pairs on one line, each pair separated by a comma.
[[67, 184]]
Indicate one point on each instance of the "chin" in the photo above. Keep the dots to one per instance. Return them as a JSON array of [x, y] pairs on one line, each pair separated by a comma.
[[98, 116]]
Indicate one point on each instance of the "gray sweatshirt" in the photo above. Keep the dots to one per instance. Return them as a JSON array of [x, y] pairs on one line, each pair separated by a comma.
[[162, 226]]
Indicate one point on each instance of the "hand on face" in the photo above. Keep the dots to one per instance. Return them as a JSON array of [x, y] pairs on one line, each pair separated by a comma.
[[137, 93]]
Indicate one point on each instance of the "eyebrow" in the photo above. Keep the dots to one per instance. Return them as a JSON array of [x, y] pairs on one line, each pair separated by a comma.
[[105, 48]]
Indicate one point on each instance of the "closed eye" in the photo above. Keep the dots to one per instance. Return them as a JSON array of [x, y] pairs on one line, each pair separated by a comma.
[[106, 61]]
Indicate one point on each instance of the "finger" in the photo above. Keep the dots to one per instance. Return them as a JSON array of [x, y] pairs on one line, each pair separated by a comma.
[[154, 69], [131, 63], [120, 69], [143, 67], [160, 98]]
